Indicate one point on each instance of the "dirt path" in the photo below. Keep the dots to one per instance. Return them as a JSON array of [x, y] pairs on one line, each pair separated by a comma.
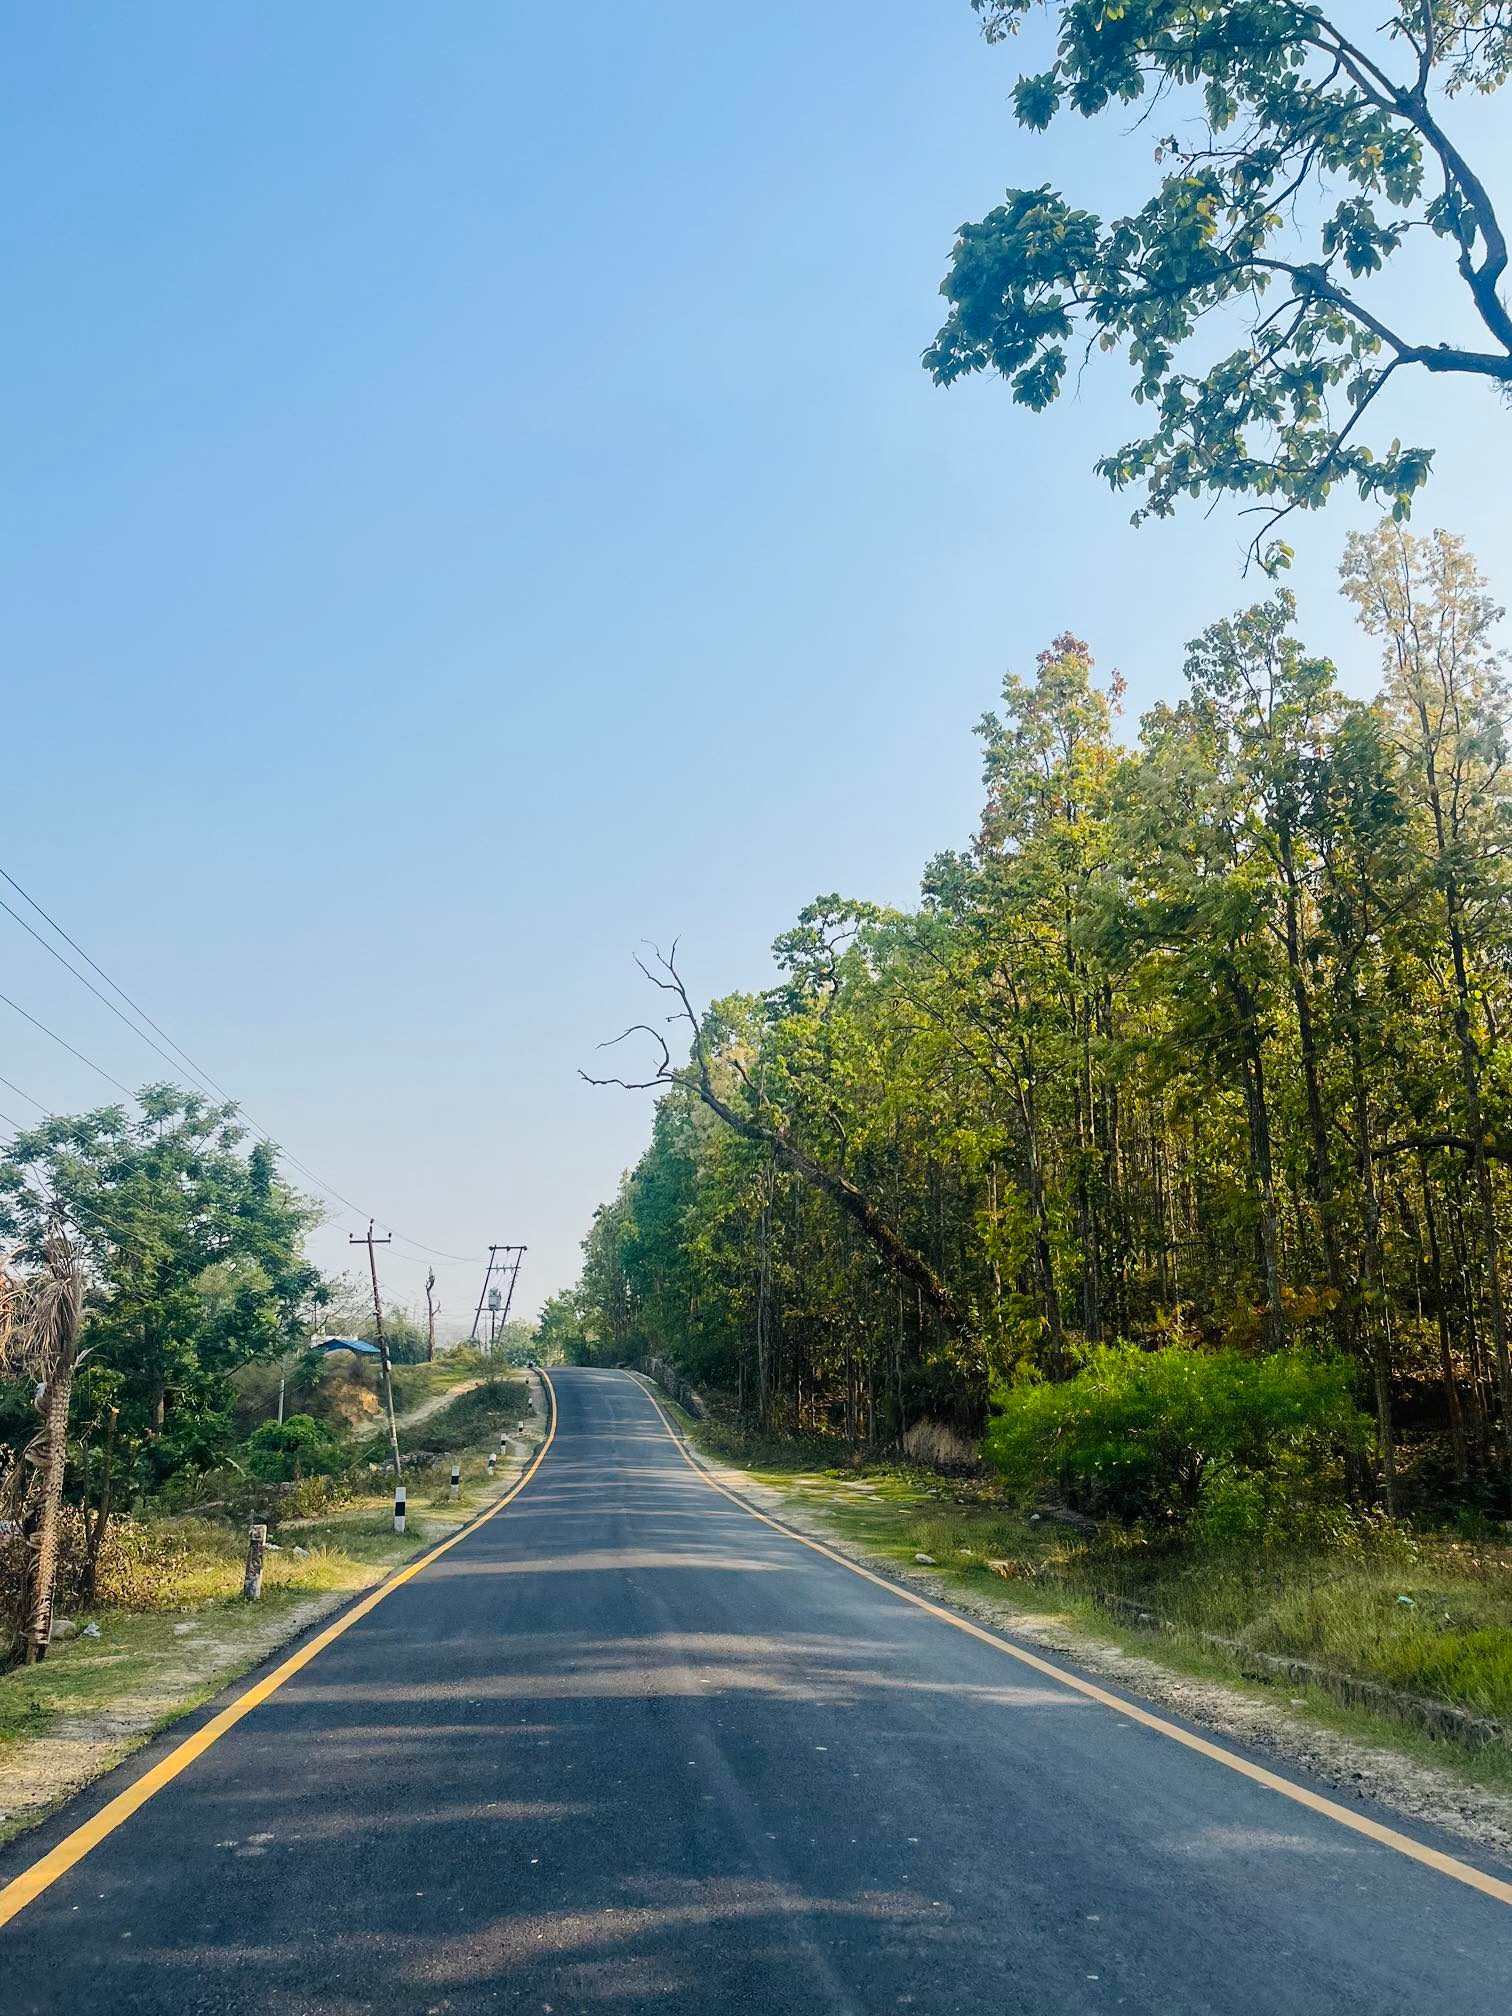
[[434, 1405]]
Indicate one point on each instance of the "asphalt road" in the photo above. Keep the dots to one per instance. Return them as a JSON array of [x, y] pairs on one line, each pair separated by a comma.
[[626, 1749]]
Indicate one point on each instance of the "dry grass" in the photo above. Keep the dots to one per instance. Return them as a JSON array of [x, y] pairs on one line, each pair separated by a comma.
[[1421, 1614], [172, 1626]]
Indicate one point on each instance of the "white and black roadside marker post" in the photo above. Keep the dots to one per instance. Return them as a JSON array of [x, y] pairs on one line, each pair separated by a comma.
[[492, 1459], [398, 1508], [257, 1539], [456, 1481]]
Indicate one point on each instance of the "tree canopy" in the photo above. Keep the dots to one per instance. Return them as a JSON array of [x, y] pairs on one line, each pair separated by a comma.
[[1199, 1043], [193, 1252], [1303, 154]]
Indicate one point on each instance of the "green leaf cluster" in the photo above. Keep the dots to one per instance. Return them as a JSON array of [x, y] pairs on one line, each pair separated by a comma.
[[1305, 150]]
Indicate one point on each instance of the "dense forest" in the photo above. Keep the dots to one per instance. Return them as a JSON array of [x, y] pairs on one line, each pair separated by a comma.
[[1192, 1065]]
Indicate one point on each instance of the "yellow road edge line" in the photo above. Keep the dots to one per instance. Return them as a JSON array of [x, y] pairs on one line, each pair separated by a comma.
[[1358, 1823], [45, 1871]]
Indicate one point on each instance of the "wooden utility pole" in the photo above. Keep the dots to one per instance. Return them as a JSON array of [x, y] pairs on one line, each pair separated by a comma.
[[430, 1316], [383, 1357]]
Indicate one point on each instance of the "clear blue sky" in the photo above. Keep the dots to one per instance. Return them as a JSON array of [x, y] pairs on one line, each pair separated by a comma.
[[472, 503]]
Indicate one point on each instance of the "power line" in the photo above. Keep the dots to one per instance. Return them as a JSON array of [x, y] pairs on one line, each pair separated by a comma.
[[67, 1046], [31, 1172], [171, 1062], [54, 925], [203, 1075], [111, 1224], [207, 1083], [27, 1097], [456, 1260]]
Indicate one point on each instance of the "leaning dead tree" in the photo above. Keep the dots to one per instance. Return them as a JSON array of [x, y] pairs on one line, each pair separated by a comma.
[[39, 1341], [760, 1125]]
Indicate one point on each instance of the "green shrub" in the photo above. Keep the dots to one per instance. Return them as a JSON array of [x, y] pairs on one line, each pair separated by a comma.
[[1182, 1435], [298, 1447], [473, 1417]]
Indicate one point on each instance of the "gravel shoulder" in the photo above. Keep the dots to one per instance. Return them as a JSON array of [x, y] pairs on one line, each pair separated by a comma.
[[161, 1678], [1411, 1785]]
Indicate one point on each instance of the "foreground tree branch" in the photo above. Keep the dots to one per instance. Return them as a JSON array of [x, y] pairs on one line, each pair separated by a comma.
[[1283, 106]]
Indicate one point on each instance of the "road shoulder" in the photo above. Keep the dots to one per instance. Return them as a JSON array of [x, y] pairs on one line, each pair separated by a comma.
[[146, 1672], [1410, 1784]]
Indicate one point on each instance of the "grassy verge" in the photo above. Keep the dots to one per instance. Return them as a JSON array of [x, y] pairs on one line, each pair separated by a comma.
[[468, 1426], [1422, 1615], [138, 1652], [178, 1630], [415, 1384]]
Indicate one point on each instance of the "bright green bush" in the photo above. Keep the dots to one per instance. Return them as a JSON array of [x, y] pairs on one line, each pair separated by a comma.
[[1180, 1434], [297, 1447]]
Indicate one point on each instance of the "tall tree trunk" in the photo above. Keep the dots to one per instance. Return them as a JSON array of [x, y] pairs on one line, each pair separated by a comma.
[[1320, 1169], [764, 1298], [1481, 1376], [1086, 1153], [1464, 1034], [45, 1346], [1377, 1326], [1441, 1319], [94, 1529], [1258, 1112], [1044, 1257]]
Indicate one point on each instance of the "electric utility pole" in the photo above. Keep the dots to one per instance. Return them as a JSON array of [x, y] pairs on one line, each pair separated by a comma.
[[430, 1315], [388, 1384], [514, 1274], [495, 1266], [488, 1274]]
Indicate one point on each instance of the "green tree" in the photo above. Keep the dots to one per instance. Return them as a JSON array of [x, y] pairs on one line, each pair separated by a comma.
[[559, 1338], [281, 1451], [1447, 699], [1266, 708], [1288, 110], [193, 1256]]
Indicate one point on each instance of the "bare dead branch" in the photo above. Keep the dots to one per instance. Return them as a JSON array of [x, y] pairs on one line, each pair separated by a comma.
[[776, 1136]]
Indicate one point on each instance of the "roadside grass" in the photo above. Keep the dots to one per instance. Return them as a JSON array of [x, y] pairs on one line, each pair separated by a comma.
[[173, 1628], [473, 1420], [1422, 1614], [100, 1698], [415, 1384], [138, 1651]]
